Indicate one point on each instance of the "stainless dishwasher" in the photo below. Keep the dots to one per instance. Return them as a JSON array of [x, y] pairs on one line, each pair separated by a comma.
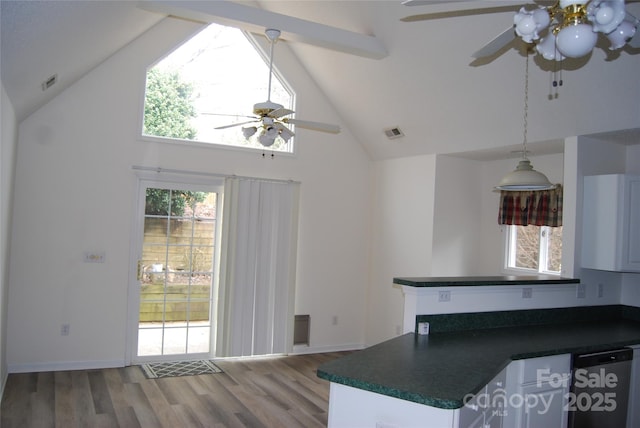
[[599, 394]]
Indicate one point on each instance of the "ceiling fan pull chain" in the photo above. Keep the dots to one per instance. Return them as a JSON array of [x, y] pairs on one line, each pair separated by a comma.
[[272, 155], [556, 79], [560, 72]]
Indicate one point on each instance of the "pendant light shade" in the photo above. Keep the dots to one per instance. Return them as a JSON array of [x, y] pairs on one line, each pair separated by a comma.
[[524, 177]]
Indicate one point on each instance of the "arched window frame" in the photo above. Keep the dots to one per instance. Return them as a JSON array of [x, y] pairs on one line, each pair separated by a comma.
[[261, 47]]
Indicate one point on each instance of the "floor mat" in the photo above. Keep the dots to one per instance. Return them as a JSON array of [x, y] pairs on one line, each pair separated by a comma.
[[179, 368]]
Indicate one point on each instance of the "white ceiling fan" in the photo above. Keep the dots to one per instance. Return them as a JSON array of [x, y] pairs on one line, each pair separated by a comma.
[[269, 116], [559, 29]]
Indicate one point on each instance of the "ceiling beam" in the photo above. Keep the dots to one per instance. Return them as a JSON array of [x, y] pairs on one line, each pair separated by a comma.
[[257, 20]]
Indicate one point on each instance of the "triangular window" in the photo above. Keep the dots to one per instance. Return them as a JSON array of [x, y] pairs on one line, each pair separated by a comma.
[[212, 80]]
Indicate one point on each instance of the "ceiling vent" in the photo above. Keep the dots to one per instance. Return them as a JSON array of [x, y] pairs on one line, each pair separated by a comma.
[[393, 133], [49, 82]]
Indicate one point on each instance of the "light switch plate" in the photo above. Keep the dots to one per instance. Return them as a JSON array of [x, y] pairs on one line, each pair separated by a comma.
[[94, 256]]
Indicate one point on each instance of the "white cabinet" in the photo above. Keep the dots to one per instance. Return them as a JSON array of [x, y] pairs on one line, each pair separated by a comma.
[[611, 223], [537, 392], [486, 408]]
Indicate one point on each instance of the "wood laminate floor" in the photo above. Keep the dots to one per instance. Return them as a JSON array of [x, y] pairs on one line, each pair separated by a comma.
[[263, 392]]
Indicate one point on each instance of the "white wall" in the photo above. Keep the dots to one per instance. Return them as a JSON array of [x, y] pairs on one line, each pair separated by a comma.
[[8, 140], [457, 231], [458, 234], [437, 216], [402, 232], [361, 223], [74, 192], [467, 237]]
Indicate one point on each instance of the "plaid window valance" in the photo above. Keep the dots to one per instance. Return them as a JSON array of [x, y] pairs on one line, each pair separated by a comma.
[[536, 208]]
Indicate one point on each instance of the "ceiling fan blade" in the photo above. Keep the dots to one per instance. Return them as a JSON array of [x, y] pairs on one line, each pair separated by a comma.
[[230, 115], [285, 132], [236, 124], [431, 2], [477, 4], [500, 41], [315, 126], [280, 112], [461, 8], [462, 12]]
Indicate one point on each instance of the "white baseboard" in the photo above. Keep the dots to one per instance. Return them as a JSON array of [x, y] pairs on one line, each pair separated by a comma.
[[305, 349], [63, 366]]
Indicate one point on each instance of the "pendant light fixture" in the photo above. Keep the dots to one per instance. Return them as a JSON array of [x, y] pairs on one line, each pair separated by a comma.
[[524, 177]]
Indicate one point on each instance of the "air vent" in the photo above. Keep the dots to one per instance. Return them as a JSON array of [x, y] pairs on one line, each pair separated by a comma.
[[301, 330], [393, 133], [49, 82]]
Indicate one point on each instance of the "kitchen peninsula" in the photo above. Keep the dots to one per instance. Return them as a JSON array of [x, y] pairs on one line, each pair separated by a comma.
[[414, 378]]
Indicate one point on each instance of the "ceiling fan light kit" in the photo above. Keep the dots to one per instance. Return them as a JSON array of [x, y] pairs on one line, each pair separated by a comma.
[[572, 27], [566, 29]]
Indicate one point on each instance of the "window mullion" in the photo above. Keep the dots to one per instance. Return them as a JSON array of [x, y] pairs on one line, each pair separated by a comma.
[[543, 262]]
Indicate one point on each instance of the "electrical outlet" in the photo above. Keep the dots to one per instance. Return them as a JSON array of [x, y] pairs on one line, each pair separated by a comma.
[[444, 296], [581, 291], [423, 328], [527, 293], [600, 290], [64, 329]]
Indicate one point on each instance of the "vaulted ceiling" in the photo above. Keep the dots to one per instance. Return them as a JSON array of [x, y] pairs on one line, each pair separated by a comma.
[[380, 64]]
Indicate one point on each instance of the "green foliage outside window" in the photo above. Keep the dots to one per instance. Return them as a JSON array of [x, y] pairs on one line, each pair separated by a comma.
[[168, 106], [171, 202]]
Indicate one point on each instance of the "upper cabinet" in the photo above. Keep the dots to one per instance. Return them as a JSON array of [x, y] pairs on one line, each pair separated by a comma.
[[611, 223]]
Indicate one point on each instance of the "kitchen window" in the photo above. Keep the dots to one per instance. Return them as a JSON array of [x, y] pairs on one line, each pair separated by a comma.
[[534, 249]]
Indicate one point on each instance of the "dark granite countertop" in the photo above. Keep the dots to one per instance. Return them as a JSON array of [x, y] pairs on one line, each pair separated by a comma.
[[440, 369], [458, 281]]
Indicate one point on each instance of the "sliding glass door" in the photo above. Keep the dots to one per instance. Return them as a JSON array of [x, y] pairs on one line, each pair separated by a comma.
[[176, 252]]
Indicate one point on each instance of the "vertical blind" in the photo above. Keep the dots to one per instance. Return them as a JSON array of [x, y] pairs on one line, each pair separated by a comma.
[[537, 208], [257, 267]]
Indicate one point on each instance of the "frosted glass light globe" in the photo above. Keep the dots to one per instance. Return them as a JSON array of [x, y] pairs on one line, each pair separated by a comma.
[[606, 15], [621, 35], [547, 48], [525, 26], [575, 41]]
